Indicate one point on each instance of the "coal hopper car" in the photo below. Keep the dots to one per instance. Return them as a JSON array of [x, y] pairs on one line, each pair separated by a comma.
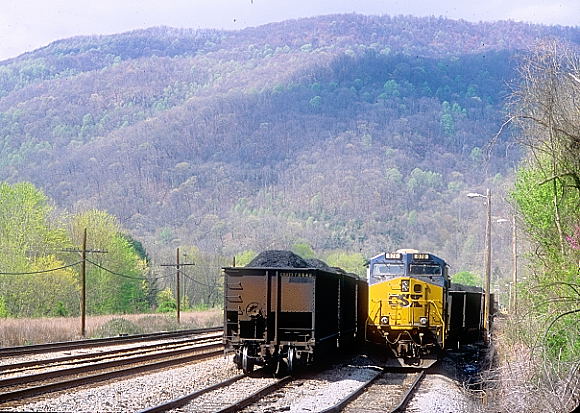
[[283, 316]]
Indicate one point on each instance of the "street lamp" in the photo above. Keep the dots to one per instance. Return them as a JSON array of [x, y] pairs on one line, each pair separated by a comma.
[[486, 304]]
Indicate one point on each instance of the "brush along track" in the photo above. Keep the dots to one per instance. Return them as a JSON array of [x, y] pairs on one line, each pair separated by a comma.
[[100, 342], [224, 397], [18, 388]]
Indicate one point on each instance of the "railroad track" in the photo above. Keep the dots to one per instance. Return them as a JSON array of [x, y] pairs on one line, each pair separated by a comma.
[[20, 366], [32, 385], [100, 342], [227, 396], [221, 397], [388, 391]]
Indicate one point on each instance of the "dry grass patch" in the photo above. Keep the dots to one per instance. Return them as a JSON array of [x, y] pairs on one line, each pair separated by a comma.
[[521, 381], [25, 331]]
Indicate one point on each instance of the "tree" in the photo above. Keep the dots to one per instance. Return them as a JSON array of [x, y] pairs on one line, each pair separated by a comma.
[[26, 228], [115, 279], [31, 243], [466, 278], [303, 249], [546, 106]]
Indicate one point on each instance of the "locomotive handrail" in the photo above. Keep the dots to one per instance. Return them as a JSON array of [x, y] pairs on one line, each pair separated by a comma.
[[442, 322]]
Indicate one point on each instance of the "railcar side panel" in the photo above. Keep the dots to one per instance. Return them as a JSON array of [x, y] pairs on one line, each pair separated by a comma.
[[285, 314]]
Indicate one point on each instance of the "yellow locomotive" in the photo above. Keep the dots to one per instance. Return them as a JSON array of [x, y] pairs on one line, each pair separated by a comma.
[[407, 294]]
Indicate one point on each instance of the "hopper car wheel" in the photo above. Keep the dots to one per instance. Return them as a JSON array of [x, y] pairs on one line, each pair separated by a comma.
[[247, 362], [280, 368], [291, 360]]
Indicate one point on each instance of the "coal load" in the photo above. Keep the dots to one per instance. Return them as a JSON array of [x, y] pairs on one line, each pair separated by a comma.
[[316, 263], [278, 259], [468, 288], [321, 265]]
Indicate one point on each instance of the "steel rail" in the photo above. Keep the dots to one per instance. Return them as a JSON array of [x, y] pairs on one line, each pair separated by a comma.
[[407, 396], [67, 384], [12, 381], [353, 395], [94, 342], [255, 396], [182, 401], [81, 358], [341, 404]]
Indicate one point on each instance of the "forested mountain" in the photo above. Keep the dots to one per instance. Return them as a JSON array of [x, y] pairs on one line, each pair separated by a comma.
[[345, 132]]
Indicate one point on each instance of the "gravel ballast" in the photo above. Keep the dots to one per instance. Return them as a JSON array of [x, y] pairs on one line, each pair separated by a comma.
[[137, 393]]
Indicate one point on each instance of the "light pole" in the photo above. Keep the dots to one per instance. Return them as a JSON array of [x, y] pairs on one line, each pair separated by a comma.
[[486, 304], [513, 301]]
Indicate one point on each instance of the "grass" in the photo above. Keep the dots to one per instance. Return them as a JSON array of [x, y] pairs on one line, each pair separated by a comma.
[[26, 331]]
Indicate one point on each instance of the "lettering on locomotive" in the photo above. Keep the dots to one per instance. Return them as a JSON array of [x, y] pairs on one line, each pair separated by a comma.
[[405, 300]]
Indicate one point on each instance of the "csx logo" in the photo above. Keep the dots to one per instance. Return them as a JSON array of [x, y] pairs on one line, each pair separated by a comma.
[[405, 300]]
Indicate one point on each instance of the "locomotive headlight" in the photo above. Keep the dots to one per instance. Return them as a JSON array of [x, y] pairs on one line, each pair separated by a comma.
[[384, 319], [423, 320], [405, 285]]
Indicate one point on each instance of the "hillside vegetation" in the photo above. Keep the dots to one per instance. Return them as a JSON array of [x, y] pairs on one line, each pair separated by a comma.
[[344, 133]]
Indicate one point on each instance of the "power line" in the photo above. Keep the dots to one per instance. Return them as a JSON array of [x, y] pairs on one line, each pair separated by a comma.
[[194, 280], [177, 287], [115, 273], [42, 271]]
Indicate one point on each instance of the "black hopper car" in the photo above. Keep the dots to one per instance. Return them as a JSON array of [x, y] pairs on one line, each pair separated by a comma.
[[281, 311]]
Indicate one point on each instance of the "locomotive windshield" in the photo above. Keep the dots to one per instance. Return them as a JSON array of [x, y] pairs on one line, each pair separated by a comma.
[[382, 271], [425, 269]]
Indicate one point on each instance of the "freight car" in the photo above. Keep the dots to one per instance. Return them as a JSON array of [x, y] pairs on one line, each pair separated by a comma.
[[281, 311], [414, 311]]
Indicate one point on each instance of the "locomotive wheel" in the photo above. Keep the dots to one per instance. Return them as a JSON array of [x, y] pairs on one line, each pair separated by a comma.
[[291, 360], [247, 362]]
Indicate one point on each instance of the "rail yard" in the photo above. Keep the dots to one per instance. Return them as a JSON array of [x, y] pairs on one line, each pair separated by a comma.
[[294, 339]]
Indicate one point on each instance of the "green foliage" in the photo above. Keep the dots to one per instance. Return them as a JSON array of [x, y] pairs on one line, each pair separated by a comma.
[[117, 285], [315, 102], [420, 180], [245, 257], [466, 278], [391, 89], [3, 310], [536, 203], [547, 193], [304, 250], [353, 262], [38, 295], [476, 155], [25, 226], [166, 302], [562, 338]]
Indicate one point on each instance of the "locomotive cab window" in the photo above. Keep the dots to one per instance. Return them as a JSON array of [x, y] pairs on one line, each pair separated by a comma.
[[385, 271], [425, 269]]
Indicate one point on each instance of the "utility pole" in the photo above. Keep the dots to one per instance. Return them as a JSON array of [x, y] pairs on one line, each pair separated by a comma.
[[83, 252], [487, 304], [487, 265], [178, 289], [84, 284], [514, 307], [177, 265]]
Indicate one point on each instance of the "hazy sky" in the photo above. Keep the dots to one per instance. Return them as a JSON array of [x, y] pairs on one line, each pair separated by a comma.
[[26, 25]]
